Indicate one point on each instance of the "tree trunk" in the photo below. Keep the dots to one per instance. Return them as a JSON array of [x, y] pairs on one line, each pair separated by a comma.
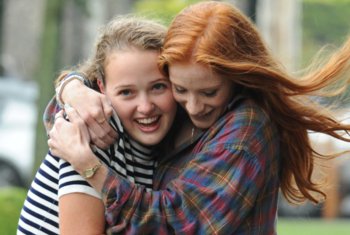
[[47, 72], [279, 22]]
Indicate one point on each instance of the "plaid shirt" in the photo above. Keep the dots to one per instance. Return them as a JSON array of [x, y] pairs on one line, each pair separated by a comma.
[[227, 184]]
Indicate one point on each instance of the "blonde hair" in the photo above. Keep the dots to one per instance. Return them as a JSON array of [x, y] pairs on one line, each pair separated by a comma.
[[217, 35], [121, 33]]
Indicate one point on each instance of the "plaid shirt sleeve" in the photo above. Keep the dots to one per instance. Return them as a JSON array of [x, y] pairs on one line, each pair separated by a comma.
[[49, 114], [212, 193]]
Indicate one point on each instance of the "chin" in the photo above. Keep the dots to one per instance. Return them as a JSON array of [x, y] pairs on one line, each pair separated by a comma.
[[202, 125], [150, 141]]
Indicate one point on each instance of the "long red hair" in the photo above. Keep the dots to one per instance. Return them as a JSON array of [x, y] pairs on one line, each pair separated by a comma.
[[217, 35]]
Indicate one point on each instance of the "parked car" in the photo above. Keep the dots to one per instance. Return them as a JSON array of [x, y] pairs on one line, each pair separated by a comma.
[[18, 114]]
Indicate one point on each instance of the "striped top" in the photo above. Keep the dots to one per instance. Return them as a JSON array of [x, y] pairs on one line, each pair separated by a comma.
[[55, 178]]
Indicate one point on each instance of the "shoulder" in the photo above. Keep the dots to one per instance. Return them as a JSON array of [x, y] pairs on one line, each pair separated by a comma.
[[245, 125], [245, 137], [247, 116]]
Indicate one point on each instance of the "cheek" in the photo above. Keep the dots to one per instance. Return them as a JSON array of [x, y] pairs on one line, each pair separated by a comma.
[[125, 115], [123, 109], [179, 98], [220, 104], [226, 96], [167, 102]]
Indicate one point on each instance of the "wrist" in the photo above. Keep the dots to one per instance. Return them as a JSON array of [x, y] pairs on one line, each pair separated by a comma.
[[72, 80], [89, 173], [69, 90], [98, 180], [87, 159]]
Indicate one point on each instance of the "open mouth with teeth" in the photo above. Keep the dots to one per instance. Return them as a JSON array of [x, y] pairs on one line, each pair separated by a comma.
[[148, 124]]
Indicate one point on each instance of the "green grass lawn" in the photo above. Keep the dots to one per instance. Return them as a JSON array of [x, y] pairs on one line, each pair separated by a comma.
[[11, 201], [308, 226]]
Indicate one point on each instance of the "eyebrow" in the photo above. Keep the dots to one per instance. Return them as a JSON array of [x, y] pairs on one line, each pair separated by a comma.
[[161, 79], [127, 86], [215, 87], [210, 88]]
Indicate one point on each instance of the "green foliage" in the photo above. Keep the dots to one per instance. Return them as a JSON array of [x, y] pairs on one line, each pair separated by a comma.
[[11, 202], [160, 9], [82, 4], [324, 22], [325, 26]]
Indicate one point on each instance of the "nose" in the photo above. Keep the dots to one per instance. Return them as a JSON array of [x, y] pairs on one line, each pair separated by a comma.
[[194, 106], [145, 105]]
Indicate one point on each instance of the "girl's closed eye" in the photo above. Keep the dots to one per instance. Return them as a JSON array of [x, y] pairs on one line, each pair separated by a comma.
[[179, 90], [211, 93]]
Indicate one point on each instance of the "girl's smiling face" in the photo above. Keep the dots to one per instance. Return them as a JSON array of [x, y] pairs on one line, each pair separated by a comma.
[[140, 94], [203, 94]]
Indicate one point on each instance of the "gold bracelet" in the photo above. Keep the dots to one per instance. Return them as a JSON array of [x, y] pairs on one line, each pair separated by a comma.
[[90, 172]]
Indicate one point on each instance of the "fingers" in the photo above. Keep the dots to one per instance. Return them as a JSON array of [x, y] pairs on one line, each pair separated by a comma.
[[51, 142], [67, 137], [73, 116], [107, 108], [95, 114], [59, 115], [99, 142], [99, 112], [108, 111], [101, 134]]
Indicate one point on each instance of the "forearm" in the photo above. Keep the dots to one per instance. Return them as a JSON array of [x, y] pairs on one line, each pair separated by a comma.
[[71, 90], [54, 106], [198, 201], [81, 210], [97, 181], [93, 108], [81, 214]]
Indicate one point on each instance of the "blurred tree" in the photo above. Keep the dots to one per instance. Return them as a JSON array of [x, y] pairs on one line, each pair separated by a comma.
[[249, 7], [69, 30], [251, 11], [279, 23], [165, 11], [324, 22], [1, 29], [47, 71], [159, 9], [325, 26]]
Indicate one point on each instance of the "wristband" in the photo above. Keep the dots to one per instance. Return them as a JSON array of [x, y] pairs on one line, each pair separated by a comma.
[[65, 81]]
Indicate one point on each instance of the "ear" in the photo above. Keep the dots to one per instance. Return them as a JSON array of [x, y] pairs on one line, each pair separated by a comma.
[[101, 86]]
